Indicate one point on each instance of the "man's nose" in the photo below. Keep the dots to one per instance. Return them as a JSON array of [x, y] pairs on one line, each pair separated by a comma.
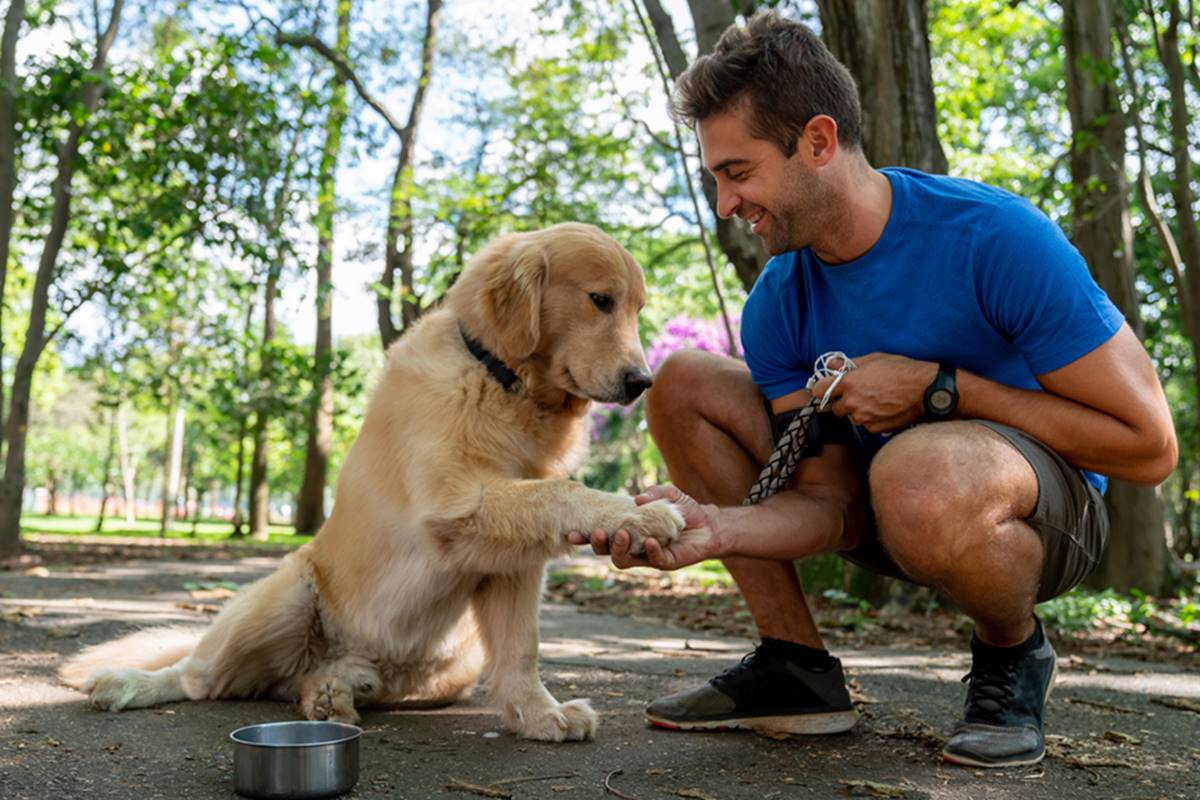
[[728, 202]]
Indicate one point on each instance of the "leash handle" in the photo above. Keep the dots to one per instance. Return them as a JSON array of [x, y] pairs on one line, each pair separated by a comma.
[[784, 459]]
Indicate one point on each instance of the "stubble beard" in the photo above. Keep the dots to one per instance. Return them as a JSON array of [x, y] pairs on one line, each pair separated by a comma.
[[804, 217]]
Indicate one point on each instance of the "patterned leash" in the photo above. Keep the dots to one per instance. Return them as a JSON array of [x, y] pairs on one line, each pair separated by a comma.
[[792, 442]]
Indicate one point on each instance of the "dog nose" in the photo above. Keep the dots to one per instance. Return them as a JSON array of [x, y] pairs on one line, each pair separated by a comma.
[[636, 382]]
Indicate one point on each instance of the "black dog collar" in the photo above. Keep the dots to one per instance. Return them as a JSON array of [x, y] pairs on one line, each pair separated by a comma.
[[499, 370]]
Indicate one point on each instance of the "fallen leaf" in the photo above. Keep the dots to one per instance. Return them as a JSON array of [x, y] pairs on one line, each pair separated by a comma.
[[694, 794], [873, 788], [1121, 738], [37, 572]]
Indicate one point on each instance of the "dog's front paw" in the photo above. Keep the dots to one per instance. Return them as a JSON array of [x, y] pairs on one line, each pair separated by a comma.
[[572, 721], [112, 689], [659, 520]]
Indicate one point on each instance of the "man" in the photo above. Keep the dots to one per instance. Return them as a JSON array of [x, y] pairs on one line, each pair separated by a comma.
[[963, 308]]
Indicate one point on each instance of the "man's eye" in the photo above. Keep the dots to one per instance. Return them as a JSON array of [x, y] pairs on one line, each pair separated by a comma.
[[602, 302], [737, 177]]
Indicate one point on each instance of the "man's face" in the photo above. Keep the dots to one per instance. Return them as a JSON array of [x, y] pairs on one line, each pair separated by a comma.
[[782, 198]]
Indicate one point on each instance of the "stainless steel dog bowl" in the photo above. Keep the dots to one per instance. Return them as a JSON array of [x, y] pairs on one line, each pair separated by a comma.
[[295, 759]]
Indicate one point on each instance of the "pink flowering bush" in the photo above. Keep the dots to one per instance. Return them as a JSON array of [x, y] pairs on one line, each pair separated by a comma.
[[685, 332], [680, 333]]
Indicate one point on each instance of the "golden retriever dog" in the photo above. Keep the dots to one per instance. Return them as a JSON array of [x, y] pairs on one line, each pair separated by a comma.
[[428, 573]]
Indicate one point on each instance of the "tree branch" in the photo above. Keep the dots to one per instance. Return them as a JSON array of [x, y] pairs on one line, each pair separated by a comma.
[[314, 43]]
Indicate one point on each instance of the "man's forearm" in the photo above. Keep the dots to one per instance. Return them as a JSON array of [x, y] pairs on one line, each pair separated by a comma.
[[1086, 437]]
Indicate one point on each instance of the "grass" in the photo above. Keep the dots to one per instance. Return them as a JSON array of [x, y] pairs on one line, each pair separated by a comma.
[[207, 531]]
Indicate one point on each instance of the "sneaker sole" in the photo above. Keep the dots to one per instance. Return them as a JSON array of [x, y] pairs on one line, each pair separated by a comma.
[[966, 761], [801, 724]]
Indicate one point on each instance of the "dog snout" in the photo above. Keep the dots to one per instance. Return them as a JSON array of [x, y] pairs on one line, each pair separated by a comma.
[[635, 382]]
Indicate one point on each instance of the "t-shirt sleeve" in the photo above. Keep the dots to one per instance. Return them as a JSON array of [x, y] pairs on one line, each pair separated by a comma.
[[770, 335], [1036, 290]]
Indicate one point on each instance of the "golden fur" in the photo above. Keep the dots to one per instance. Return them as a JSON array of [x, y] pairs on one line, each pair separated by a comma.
[[428, 571]]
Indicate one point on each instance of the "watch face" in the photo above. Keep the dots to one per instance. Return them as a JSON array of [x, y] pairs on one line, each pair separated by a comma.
[[941, 401]]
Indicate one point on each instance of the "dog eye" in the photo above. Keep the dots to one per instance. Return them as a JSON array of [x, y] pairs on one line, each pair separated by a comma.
[[602, 302]]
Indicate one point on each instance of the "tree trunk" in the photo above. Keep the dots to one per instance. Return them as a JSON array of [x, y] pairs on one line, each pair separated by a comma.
[[399, 248], [129, 464], [13, 485], [1186, 221], [238, 520], [106, 478], [310, 505], [8, 153], [260, 488], [173, 465], [710, 18], [886, 47], [1137, 551]]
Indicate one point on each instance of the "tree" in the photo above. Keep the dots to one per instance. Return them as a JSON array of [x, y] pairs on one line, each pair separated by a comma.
[[399, 240], [886, 48], [310, 503], [1136, 554], [13, 484], [8, 153], [710, 19]]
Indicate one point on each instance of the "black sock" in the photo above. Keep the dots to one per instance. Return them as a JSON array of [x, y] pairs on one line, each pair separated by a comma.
[[1033, 642], [798, 654]]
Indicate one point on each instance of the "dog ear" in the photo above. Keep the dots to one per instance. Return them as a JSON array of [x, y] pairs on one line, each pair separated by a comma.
[[512, 294]]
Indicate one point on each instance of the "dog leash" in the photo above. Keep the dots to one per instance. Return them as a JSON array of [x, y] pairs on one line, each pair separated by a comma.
[[794, 440]]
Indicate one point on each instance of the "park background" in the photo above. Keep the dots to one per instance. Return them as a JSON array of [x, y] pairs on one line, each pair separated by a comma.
[[215, 215]]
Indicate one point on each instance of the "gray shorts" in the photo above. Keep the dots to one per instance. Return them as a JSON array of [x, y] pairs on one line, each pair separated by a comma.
[[1070, 517]]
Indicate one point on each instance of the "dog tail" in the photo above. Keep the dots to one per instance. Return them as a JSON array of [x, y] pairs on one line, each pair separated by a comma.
[[149, 649]]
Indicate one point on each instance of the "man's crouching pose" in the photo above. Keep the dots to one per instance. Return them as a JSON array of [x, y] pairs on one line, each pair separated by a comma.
[[965, 309]]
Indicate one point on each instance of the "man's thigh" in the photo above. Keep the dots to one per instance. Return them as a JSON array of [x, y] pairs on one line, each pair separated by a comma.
[[1068, 516]]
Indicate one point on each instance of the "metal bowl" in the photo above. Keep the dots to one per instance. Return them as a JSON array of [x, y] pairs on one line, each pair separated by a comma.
[[295, 759]]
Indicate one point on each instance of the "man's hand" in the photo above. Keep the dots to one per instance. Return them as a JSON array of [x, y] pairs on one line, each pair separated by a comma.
[[884, 393], [697, 542]]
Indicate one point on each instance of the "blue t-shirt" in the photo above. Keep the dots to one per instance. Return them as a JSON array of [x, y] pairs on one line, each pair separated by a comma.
[[963, 273]]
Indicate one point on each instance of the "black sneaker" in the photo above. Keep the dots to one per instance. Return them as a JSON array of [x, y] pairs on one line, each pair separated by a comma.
[[1002, 724], [766, 691]]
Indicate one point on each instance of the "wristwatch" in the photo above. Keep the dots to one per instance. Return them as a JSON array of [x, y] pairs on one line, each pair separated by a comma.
[[941, 397]]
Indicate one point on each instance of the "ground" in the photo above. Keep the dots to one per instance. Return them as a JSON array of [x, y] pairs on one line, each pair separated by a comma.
[[1122, 721]]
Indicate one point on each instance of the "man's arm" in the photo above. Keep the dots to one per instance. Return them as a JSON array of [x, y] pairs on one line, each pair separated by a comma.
[[1103, 412], [821, 510]]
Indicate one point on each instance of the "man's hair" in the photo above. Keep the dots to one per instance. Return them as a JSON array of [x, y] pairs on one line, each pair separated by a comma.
[[785, 74]]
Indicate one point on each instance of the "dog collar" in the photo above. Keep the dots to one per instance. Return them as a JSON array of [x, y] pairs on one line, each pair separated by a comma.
[[499, 370]]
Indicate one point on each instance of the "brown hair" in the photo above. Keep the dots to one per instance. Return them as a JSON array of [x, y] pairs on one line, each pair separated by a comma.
[[783, 71]]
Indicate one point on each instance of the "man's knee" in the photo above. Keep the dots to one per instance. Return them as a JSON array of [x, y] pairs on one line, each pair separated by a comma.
[[941, 491], [680, 384]]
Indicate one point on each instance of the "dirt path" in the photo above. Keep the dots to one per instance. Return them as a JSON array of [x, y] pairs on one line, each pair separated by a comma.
[[52, 745]]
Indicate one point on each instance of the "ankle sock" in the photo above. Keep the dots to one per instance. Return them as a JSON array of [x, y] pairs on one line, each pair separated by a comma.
[[1033, 642], [801, 655]]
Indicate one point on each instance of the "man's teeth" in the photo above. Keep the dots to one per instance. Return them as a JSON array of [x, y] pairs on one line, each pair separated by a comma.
[[754, 220]]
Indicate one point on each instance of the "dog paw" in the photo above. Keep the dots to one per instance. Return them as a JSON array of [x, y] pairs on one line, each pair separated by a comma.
[[571, 721], [659, 520], [328, 699], [112, 689]]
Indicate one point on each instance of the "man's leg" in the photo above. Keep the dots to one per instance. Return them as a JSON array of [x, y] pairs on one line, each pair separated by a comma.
[[708, 420], [951, 503]]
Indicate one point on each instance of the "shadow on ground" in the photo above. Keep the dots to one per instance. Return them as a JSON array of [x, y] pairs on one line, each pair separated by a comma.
[[1110, 738]]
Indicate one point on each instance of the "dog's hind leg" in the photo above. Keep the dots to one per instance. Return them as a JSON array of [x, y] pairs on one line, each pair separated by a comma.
[[506, 610]]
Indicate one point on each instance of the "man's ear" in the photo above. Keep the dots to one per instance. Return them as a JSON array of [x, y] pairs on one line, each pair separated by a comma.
[[818, 141], [516, 279]]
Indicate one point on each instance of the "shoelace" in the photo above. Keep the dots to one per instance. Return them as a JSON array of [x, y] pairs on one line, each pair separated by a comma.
[[990, 686], [749, 663]]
